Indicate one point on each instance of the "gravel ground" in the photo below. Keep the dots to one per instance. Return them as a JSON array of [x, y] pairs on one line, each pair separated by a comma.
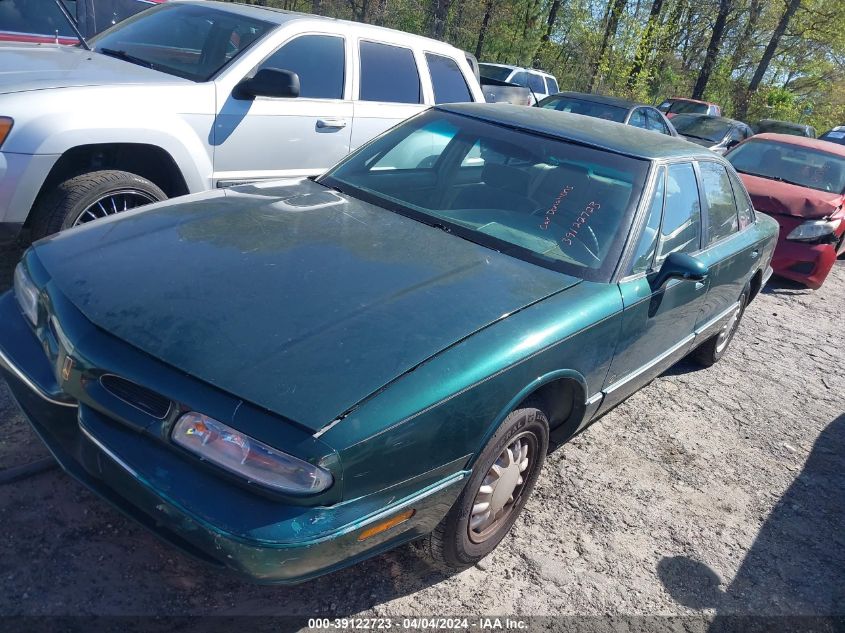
[[713, 491]]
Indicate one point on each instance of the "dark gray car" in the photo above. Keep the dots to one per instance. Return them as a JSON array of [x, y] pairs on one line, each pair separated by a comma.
[[611, 109], [717, 133]]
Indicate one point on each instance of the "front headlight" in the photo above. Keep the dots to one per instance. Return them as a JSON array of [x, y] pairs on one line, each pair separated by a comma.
[[27, 294], [247, 457], [812, 230]]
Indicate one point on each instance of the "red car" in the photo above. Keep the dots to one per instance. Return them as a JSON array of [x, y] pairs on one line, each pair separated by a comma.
[[800, 182], [680, 105]]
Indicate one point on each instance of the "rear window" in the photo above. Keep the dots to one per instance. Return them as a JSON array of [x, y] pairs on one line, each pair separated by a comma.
[[447, 80], [587, 108], [389, 74], [688, 107]]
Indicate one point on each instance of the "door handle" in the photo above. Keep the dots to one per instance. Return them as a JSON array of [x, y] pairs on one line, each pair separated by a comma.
[[755, 253], [331, 123]]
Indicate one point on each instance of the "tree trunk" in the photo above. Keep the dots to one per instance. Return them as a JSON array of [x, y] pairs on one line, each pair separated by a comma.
[[550, 23], [755, 9], [644, 49], [768, 54], [439, 13], [725, 7], [614, 11], [485, 23], [381, 12]]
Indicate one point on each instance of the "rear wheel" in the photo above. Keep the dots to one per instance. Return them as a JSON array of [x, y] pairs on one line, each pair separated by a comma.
[[709, 352], [502, 480], [90, 197]]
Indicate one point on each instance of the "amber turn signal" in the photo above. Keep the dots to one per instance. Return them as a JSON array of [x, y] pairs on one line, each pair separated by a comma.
[[5, 127], [393, 521]]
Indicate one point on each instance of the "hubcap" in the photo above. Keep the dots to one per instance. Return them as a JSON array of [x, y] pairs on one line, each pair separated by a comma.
[[501, 488], [728, 330], [114, 202]]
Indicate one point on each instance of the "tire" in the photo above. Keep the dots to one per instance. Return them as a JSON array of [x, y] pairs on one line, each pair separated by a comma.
[[709, 352], [75, 201], [454, 543]]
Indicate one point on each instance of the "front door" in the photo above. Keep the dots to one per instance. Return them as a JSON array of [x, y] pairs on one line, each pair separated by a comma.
[[265, 137], [658, 323]]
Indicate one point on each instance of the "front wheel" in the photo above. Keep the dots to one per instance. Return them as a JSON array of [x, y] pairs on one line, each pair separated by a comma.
[[715, 347], [501, 482], [90, 197]]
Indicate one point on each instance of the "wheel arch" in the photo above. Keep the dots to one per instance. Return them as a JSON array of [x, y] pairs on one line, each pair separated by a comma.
[[755, 285]]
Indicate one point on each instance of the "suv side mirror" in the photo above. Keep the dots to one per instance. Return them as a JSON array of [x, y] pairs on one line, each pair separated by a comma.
[[269, 82], [732, 142], [679, 266]]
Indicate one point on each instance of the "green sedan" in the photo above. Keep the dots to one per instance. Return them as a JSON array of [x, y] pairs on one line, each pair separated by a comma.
[[285, 378]]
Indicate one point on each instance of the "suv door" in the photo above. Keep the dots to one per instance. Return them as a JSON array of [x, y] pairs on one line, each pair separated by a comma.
[[389, 88], [268, 137], [728, 251], [658, 323]]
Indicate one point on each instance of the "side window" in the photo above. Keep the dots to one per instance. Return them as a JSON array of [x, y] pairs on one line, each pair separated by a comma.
[[520, 79], [447, 79], [551, 85], [721, 208], [318, 60], [389, 73], [743, 204], [637, 118], [681, 228], [535, 82], [655, 122], [644, 254], [736, 134]]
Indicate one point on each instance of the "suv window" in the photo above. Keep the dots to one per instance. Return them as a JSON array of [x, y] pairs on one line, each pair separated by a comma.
[[318, 60], [644, 254], [637, 118], [655, 122], [535, 82], [721, 208], [389, 73], [447, 79], [680, 231], [520, 79], [551, 86]]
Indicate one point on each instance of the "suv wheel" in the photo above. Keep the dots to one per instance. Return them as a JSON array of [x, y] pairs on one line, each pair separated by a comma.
[[89, 197]]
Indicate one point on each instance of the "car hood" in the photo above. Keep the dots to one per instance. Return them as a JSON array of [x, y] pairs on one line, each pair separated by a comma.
[[293, 297], [700, 141], [40, 66], [771, 196]]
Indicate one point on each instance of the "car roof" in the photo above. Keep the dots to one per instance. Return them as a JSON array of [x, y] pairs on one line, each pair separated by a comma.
[[512, 67], [709, 116], [603, 99], [690, 100], [282, 16], [801, 141], [599, 133]]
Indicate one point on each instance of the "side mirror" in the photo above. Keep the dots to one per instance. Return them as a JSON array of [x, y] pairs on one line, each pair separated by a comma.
[[269, 82], [731, 143], [679, 266]]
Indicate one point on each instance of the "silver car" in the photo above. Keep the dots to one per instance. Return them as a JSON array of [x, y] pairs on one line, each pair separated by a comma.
[[190, 96]]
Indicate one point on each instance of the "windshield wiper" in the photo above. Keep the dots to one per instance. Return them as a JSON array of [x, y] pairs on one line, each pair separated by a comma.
[[776, 178], [703, 138], [127, 57]]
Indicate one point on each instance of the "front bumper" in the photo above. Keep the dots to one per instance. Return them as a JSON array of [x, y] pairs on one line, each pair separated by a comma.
[[808, 264], [257, 538]]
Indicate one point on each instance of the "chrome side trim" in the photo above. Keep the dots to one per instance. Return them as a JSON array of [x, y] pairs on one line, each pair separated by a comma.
[[594, 398], [715, 320], [766, 276], [653, 362], [108, 451], [8, 364]]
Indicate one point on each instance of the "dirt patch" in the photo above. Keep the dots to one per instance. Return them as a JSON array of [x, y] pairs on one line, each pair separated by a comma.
[[715, 491]]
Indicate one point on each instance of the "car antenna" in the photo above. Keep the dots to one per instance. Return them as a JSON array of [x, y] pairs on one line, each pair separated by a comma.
[[72, 23]]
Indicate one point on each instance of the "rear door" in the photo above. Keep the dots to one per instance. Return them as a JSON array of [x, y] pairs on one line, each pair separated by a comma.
[[729, 250], [389, 88], [658, 323], [268, 137]]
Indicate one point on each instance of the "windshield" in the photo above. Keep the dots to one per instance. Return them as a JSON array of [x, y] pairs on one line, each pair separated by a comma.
[[687, 107], [185, 40], [781, 127], [703, 127], [834, 136], [557, 204], [34, 17], [587, 108], [790, 163], [494, 72]]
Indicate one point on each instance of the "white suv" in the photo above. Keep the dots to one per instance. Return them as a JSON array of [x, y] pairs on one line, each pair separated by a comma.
[[190, 96], [540, 83]]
